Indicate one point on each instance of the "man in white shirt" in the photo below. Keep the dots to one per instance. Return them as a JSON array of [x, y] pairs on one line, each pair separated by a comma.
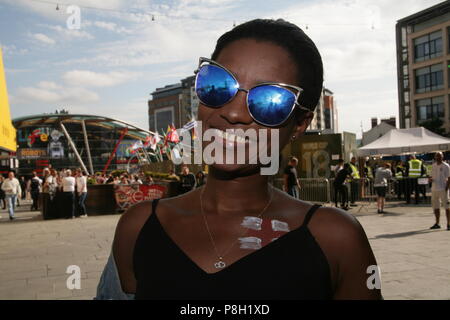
[[81, 192], [68, 184], [12, 189], [440, 179]]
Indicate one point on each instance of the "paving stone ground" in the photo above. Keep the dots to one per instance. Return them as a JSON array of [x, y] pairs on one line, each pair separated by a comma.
[[35, 253]]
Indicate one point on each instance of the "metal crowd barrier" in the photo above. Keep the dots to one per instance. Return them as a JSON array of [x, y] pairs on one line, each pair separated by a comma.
[[322, 190], [316, 190]]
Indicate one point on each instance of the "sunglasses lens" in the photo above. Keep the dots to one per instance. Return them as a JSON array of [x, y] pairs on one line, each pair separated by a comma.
[[270, 105], [215, 86]]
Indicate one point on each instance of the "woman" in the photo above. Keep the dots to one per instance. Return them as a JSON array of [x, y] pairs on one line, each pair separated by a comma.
[[382, 176], [187, 247], [2, 193], [201, 179]]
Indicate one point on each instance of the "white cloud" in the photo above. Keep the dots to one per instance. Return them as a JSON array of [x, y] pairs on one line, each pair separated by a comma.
[[48, 85], [105, 25], [71, 33], [70, 95], [86, 78], [360, 62], [12, 50], [43, 38], [48, 9]]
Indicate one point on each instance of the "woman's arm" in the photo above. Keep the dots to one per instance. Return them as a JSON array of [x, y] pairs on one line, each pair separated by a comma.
[[353, 265], [127, 231]]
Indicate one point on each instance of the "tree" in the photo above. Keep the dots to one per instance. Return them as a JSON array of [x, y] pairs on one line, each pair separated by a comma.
[[434, 125]]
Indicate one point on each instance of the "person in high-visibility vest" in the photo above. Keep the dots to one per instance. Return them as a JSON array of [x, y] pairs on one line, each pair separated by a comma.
[[368, 171], [414, 170], [354, 182], [399, 176]]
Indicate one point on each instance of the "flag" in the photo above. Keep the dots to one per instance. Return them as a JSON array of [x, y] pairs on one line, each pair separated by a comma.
[[147, 142], [137, 145], [170, 135], [173, 135], [190, 125], [152, 141]]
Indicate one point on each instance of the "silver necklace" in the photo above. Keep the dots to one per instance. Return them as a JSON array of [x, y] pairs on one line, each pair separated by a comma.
[[220, 264]]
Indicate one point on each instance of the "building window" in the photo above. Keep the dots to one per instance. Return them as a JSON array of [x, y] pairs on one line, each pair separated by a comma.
[[151, 122], [428, 46], [428, 109], [429, 78], [163, 118]]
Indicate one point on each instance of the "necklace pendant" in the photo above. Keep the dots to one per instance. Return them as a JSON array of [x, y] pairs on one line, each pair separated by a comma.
[[219, 264]]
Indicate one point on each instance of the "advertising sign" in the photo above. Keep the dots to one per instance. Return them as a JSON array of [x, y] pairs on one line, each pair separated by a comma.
[[127, 195], [31, 153], [7, 131], [317, 154]]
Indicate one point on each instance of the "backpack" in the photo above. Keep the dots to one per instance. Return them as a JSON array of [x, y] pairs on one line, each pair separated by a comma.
[[34, 185]]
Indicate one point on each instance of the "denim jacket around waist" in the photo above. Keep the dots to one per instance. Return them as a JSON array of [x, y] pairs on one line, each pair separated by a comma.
[[109, 287]]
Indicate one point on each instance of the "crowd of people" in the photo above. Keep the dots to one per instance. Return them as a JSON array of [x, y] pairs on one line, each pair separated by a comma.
[[400, 178], [63, 193]]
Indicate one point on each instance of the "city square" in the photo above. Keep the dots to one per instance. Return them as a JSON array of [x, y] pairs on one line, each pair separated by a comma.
[[414, 261]]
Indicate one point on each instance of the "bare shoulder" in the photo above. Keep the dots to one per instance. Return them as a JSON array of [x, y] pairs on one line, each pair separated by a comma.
[[128, 229], [347, 249], [336, 223]]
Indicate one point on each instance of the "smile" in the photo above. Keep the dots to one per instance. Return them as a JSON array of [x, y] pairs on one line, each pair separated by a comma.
[[230, 137]]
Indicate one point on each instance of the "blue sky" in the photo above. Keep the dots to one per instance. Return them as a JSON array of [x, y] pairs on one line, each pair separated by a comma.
[[119, 55]]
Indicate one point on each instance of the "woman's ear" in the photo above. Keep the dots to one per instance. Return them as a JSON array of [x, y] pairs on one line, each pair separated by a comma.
[[302, 123]]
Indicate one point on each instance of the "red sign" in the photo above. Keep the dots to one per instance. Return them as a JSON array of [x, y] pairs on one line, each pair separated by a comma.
[[127, 195]]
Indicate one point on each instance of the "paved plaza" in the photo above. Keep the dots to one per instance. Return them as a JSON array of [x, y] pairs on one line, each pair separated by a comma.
[[35, 254]]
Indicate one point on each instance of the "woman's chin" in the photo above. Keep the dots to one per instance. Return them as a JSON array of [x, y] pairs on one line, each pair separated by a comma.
[[235, 169]]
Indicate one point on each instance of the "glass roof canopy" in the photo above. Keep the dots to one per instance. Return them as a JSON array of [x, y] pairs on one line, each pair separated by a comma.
[[105, 122]]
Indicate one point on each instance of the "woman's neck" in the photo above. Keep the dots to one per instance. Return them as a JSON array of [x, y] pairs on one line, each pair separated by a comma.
[[237, 194]]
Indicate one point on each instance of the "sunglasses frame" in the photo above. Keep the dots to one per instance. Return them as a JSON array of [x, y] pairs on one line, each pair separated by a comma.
[[299, 90]]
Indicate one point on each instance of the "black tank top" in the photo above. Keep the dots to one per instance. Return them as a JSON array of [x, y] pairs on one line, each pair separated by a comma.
[[292, 267]]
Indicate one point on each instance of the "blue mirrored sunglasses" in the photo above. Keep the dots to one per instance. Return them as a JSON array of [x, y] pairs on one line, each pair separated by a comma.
[[269, 103]]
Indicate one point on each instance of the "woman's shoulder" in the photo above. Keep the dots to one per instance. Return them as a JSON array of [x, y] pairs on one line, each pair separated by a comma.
[[327, 219]]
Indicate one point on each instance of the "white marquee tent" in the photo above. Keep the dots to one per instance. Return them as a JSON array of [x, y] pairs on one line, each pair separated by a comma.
[[406, 141]]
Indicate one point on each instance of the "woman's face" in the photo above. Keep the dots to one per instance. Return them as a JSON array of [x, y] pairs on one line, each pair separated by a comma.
[[252, 62]]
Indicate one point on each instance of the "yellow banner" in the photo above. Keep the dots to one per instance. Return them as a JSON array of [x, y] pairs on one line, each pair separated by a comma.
[[7, 130]]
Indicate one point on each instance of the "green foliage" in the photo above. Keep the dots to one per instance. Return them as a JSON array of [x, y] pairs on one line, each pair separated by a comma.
[[160, 176], [118, 173], [434, 125]]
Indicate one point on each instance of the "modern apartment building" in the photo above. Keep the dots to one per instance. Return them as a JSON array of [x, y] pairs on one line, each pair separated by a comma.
[[164, 108], [423, 66], [325, 115]]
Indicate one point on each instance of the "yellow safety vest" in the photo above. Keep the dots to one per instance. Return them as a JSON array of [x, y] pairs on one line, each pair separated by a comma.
[[399, 173], [428, 169], [355, 172], [369, 172], [415, 167]]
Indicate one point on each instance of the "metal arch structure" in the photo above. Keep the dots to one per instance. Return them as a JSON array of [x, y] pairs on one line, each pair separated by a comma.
[[59, 119], [41, 119]]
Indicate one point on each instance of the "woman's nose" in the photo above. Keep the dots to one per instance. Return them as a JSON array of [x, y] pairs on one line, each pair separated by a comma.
[[236, 110]]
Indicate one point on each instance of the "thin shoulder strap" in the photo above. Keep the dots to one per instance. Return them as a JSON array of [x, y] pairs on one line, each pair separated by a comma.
[[310, 213], [154, 204]]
